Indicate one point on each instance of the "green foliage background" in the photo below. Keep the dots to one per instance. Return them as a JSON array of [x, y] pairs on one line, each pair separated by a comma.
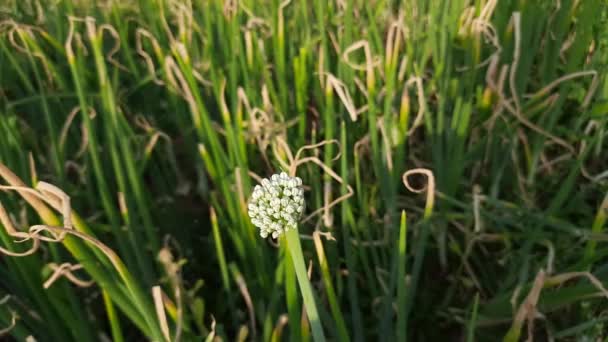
[[157, 117]]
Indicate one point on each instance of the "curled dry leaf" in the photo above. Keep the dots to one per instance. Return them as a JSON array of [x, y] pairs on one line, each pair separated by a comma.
[[429, 187]]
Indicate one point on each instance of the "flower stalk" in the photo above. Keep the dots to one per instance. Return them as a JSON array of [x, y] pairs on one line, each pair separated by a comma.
[[275, 207], [295, 249]]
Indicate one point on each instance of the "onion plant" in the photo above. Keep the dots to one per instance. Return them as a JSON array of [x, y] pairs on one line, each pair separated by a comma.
[[451, 155]]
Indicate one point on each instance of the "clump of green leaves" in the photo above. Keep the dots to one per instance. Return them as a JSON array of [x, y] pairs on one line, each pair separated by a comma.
[[156, 117]]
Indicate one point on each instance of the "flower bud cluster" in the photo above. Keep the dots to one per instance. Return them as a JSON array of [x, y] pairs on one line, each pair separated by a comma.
[[277, 204]]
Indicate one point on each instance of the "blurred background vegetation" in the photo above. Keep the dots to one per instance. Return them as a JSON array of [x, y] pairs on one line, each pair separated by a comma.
[[156, 118]]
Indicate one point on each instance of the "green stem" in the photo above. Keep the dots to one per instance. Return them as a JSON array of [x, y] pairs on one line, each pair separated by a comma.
[[112, 317], [295, 249]]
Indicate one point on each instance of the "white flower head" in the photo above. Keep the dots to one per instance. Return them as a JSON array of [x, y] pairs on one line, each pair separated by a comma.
[[277, 204]]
